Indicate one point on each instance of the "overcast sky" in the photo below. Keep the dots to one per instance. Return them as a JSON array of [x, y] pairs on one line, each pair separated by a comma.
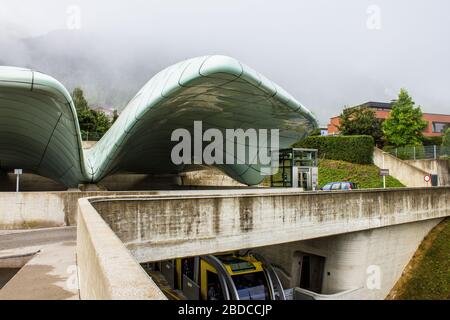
[[327, 54]]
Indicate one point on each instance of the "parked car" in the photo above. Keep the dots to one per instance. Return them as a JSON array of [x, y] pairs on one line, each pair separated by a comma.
[[334, 186]]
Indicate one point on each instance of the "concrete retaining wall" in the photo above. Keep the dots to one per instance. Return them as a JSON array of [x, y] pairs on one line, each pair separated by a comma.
[[406, 173], [107, 271], [351, 259], [58, 208], [353, 230], [25, 210], [15, 261], [166, 227], [208, 177], [29, 210], [44, 209], [302, 294], [439, 167], [28, 183]]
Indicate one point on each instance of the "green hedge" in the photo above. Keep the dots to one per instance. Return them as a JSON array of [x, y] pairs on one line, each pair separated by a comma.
[[432, 141], [355, 149]]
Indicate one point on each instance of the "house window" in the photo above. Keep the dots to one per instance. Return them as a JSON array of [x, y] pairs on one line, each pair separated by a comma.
[[440, 127]]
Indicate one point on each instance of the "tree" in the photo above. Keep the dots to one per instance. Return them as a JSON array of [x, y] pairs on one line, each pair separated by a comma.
[[93, 123], [405, 124], [360, 121], [102, 122], [316, 132], [446, 139], [115, 116], [79, 100]]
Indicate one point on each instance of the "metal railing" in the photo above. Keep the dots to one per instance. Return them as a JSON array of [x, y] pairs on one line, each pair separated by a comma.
[[91, 136], [419, 152]]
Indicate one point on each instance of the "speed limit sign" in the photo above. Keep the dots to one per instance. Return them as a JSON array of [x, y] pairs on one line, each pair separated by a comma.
[[427, 178]]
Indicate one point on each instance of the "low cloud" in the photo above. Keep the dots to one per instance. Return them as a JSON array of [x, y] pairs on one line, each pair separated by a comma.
[[322, 52]]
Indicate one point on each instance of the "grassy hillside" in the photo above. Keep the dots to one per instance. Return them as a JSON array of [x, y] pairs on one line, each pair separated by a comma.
[[365, 175], [427, 277]]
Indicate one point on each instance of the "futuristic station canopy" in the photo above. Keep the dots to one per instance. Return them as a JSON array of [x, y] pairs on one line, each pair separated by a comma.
[[39, 130]]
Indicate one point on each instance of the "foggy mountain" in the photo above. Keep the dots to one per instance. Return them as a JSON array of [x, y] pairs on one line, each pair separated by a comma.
[[322, 52], [76, 59], [111, 73]]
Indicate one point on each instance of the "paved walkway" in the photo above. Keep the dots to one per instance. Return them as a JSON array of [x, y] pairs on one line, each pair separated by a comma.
[[50, 273]]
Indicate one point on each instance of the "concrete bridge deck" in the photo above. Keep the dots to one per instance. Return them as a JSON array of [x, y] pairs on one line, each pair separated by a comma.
[[179, 224], [189, 224]]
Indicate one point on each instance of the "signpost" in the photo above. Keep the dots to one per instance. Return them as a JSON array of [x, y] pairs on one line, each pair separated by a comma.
[[17, 172], [384, 173], [427, 179]]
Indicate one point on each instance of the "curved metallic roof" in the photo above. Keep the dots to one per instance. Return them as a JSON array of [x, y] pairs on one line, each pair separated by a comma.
[[39, 130]]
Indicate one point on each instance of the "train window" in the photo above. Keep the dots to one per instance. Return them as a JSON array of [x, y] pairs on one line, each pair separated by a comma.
[[187, 266], [214, 289], [237, 264], [252, 286]]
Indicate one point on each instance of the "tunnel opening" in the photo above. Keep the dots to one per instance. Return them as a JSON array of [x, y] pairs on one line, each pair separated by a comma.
[[311, 268], [6, 274]]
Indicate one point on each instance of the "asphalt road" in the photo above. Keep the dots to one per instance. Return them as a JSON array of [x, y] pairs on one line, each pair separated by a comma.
[[37, 237]]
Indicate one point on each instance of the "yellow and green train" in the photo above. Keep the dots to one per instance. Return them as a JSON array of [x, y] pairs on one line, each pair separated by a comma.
[[223, 277]]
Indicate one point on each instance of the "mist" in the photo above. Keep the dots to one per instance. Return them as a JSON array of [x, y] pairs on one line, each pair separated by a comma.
[[327, 54]]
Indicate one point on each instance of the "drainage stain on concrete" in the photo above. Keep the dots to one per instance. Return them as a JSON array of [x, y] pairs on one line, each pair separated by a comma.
[[216, 215], [69, 244], [246, 214], [34, 282]]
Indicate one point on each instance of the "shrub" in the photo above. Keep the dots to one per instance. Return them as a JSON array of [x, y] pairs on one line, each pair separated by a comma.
[[432, 141], [446, 138], [361, 121], [355, 149]]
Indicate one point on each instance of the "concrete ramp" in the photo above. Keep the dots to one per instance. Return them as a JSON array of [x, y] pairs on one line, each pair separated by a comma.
[[47, 263], [409, 175]]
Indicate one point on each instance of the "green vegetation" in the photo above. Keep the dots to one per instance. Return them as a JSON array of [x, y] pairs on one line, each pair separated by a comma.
[[361, 121], [446, 139], [93, 123], [355, 149], [432, 141], [79, 100], [405, 123], [407, 152], [315, 132], [365, 175], [427, 276]]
